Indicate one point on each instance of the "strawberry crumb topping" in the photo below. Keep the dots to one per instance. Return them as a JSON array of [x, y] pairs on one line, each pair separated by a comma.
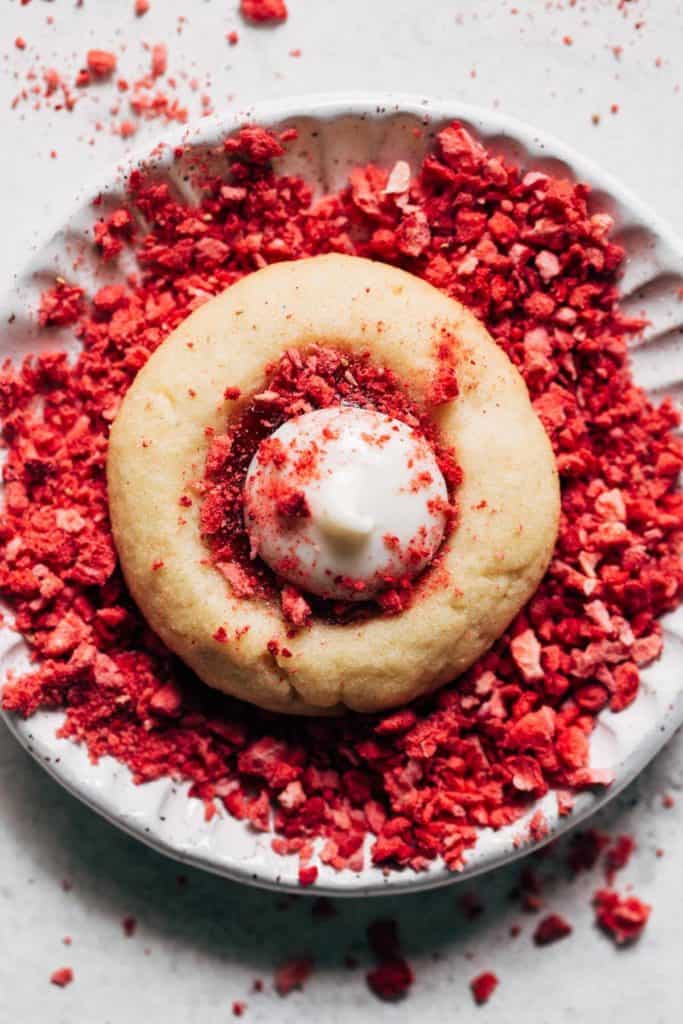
[[423, 781], [393, 976]]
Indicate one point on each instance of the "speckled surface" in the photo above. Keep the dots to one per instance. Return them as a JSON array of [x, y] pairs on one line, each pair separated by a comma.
[[208, 939]]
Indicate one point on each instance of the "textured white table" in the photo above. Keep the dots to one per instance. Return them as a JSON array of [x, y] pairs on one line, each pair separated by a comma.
[[207, 940]]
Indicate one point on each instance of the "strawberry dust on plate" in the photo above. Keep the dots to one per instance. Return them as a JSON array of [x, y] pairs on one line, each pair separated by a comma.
[[525, 254]]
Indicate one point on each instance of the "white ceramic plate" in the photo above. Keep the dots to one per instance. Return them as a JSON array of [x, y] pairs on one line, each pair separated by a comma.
[[335, 134]]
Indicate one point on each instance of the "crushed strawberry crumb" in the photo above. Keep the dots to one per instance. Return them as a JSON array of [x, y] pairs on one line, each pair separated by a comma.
[[483, 987], [393, 976], [263, 10], [623, 918], [62, 977]]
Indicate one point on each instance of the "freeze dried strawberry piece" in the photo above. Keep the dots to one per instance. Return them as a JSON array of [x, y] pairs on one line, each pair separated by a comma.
[[70, 632], [623, 918], [210, 252], [550, 929], [526, 651], [503, 228], [293, 505], [413, 235], [646, 649], [101, 62], [263, 10], [572, 747], [108, 298], [293, 974], [254, 144], [60, 306], [483, 987], [391, 980], [62, 977], [460, 149], [368, 188], [159, 60], [398, 722], [526, 775], [167, 701], [257, 813], [95, 563], [111, 233], [239, 580]]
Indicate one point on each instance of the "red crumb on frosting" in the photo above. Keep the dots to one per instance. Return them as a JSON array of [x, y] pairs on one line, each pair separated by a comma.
[[61, 305], [623, 918], [421, 783], [293, 505], [129, 925], [483, 987], [308, 875], [101, 63]]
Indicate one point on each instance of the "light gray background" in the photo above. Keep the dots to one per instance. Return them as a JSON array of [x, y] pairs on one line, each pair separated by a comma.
[[200, 945]]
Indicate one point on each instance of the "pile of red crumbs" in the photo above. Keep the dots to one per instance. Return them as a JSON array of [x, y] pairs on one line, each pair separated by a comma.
[[523, 252], [622, 918]]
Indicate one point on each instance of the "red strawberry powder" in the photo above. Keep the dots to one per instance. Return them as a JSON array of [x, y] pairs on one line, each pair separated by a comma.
[[526, 255]]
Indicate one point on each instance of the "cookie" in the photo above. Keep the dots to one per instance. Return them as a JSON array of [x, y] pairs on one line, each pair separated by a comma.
[[489, 566]]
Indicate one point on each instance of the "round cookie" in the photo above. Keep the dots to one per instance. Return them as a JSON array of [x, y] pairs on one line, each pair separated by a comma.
[[491, 563]]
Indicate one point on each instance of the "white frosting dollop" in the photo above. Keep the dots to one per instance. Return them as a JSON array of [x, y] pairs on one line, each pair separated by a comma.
[[344, 501]]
